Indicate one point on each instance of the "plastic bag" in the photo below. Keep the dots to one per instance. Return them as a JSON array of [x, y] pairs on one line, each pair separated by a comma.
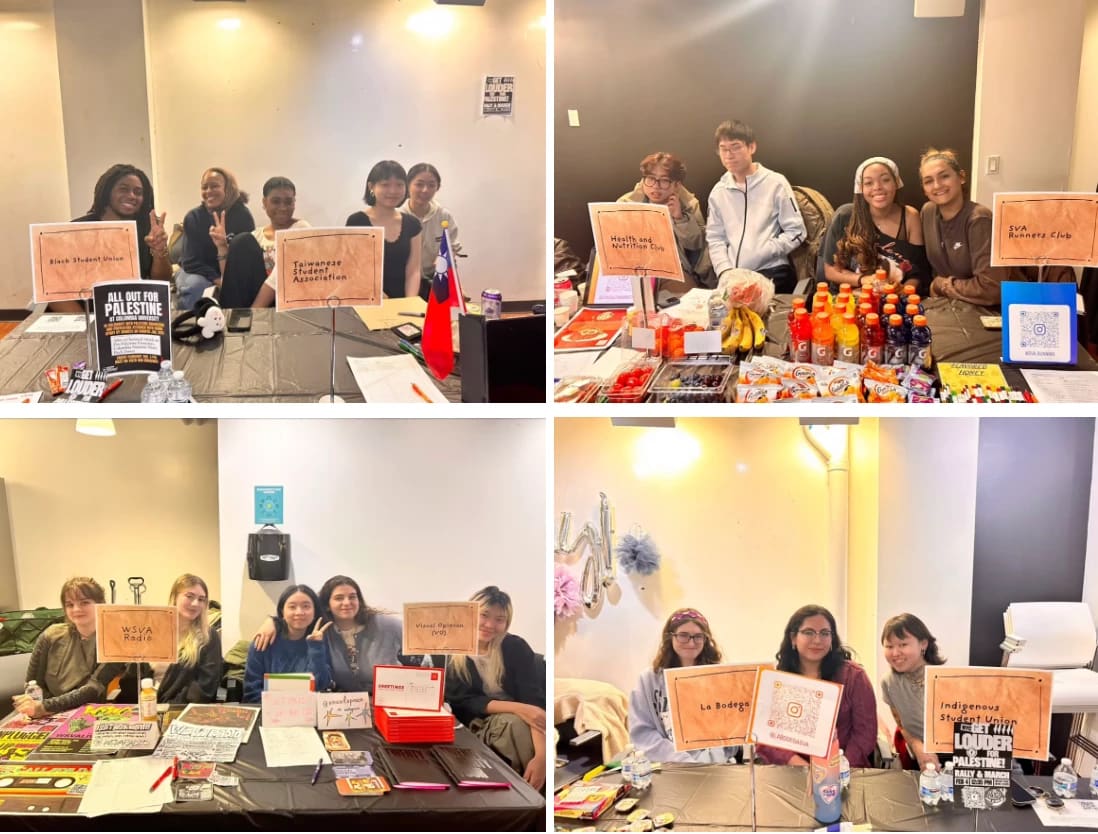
[[744, 286]]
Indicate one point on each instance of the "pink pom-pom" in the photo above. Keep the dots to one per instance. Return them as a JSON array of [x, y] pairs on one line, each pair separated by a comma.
[[566, 594]]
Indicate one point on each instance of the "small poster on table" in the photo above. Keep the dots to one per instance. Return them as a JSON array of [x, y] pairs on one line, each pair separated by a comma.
[[338, 267], [125, 633], [710, 706], [795, 713], [288, 708], [1039, 323], [1036, 228], [343, 710], [1021, 698], [132, 326], [981, 763], [68, 259], [441, 627]]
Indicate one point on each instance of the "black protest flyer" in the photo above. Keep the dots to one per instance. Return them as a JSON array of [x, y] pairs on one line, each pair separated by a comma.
[[499, 95], [132, 326], [981, 763]]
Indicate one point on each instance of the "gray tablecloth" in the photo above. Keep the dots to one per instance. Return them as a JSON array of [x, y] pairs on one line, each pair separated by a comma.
[[285, 357]]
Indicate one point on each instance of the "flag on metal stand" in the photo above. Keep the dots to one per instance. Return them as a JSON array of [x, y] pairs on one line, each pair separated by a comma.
[[438, 340]]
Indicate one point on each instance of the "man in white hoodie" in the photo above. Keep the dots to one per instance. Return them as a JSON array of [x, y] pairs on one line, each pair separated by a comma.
[[754, 222]]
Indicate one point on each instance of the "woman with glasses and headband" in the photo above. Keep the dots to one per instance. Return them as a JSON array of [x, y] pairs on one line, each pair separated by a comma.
[[499, 694], [685, 641], [811, 647], [661, 182]]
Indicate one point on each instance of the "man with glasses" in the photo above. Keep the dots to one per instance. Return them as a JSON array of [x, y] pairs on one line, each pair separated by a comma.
[[754, 222], [661, 182]]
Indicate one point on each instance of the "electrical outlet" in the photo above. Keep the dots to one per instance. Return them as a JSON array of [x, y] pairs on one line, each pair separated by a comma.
[[573, 118], [993, 164]]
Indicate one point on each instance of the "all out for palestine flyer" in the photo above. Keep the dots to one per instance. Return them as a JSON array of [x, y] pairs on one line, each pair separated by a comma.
[[132, 326]]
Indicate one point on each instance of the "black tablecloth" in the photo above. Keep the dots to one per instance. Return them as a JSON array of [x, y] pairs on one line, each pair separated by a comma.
[[285, 357], [283, 799], [957, 335], [718, 797]]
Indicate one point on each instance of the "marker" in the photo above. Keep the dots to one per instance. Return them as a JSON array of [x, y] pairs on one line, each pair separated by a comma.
[[414, 315], [111, 389], [168, 772], [316, 772], [420, 394]]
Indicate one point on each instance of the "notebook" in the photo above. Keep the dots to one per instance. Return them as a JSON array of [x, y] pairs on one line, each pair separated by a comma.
[[411, 769], [470, 768]]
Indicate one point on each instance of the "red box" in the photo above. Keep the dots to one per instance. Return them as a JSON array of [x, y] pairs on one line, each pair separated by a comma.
[[408, 705]]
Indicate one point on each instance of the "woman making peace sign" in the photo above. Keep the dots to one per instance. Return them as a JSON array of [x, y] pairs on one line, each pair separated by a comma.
[[301, 646]]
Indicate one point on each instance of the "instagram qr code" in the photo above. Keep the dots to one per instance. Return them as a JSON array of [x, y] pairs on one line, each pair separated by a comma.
[[795, 709], [1039, 328]]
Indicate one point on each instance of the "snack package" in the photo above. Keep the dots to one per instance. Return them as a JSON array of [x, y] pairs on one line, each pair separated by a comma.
[[757, 393], [884, 392]]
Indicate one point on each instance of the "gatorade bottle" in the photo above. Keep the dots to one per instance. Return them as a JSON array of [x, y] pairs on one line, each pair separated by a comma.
[[910, 311], [846, 288], [918, 302], [907, 290], [919, 352], [801, 337], [864, 309], [894, 299], [823, 339], [889, 311], [848, 340], [873, 345], [884, 293], [821, 302], [798, 303], [895, 343]]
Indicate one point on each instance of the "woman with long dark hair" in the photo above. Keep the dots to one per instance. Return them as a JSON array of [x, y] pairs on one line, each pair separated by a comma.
[[811, 646], [909, 648], [685, 641], [874, 231], [300, 647]]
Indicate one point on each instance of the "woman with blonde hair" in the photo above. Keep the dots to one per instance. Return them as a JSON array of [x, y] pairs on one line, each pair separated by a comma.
[[685, 641], [499, 694], [194, 677], [63, 660]]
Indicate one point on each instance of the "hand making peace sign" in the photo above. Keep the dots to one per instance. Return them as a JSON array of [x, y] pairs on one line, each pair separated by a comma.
[[157, 238], [218, 234], [318, 629]]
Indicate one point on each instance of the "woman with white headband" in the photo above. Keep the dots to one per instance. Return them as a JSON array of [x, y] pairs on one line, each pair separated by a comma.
[[875, 231]]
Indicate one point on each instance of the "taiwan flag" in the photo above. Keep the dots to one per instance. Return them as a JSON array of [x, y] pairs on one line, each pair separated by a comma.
[[438, 340]]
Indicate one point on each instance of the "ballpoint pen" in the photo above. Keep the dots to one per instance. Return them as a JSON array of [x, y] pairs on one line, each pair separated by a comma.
[[420, 394], [316, 773], [170, 771], [414, 315]]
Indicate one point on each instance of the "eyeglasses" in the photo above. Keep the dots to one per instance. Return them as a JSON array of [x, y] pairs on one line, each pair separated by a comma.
[[685, 638], [662, 182], [812, 634], [735, 147]]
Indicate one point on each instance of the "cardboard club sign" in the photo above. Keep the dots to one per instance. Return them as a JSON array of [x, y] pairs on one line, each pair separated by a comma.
[[125, 633], [441, 627], [635, 238], [710, 706], [1019, 698], [1029, 229], [336, 267], [67, 259]]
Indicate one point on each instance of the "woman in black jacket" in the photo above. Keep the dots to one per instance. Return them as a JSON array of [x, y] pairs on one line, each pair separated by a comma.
[[500, 692]]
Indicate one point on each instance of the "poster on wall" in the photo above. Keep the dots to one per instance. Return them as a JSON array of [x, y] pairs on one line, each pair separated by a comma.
[[68, 259], [132, 326], [498, 97]]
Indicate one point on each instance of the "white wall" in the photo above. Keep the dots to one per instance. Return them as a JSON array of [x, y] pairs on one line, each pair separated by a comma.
[[740, 532], [32, 140], [287, 93], [1090, 573], [142, 503], [1084, 153], [414, 510], [1026, 84]]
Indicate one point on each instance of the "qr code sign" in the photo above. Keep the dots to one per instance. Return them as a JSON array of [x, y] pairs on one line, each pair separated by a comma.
[[1040, 332], [794, 709]]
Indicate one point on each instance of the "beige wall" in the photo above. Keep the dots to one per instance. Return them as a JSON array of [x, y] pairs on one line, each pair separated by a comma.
[[1084, 154], [1026, 86], [865, 531], [32, 140], [143, 503]]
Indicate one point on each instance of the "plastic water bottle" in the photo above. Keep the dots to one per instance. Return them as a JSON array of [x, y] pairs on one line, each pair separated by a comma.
[[154, 392], [642, 772], [179, 391], [33, 691], [1094, 780], [627, 766], [844, 770], [930, 786], [946, 780], [1065, 781], [165, 372]]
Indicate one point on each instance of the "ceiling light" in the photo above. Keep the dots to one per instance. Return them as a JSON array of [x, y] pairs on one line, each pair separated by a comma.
[[94, 427]]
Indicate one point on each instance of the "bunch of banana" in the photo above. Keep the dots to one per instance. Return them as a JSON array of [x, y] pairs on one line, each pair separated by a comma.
[[742, 331]]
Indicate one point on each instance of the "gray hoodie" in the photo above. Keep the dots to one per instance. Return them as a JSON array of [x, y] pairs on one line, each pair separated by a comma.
[[754, 227], [650, 726]]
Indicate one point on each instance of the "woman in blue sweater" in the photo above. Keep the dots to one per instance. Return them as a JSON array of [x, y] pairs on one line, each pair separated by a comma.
[[301, 646]]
